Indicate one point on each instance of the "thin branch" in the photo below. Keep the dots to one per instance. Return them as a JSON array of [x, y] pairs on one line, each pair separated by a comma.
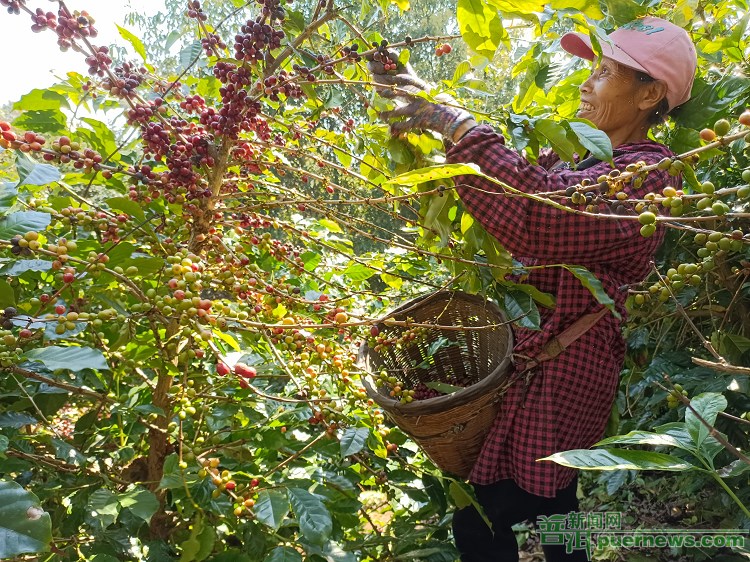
[[58, 384]]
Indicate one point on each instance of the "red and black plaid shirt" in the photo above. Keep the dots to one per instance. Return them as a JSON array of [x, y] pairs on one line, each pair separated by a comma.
[[569, 399]]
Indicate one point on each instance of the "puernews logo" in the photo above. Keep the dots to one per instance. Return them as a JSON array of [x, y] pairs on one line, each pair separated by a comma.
[[593, 531]]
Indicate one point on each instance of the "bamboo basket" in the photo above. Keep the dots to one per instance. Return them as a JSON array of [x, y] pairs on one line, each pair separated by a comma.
[[450, 428]]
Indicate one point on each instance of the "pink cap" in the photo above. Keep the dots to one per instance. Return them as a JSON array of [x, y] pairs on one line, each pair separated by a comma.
[[655, 46]]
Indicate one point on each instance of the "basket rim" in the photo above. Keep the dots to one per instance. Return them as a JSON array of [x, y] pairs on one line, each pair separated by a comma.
[[456, 399]]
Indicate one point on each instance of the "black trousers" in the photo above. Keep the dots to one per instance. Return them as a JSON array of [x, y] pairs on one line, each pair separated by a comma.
[[506, 504]]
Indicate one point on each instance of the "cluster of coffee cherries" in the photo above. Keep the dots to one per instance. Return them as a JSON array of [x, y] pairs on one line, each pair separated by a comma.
[[254, 38], [195, 11], [406, 337], [14, 6], [99, 61], [9, 345], [42, 20], [352, 52], [29, 142], [73, 26], [69, 151], [19, 246], [108, 225], [243, 494], [689, 274], [394, 387], [673, 398], [127, 78], [283, 84], [382, 55]]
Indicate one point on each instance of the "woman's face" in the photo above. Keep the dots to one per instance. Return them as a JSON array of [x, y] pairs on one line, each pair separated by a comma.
[[610, 97]]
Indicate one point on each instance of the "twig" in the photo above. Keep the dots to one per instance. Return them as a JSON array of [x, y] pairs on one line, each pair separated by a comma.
[[722, 367], [65, 386], [296, 455]]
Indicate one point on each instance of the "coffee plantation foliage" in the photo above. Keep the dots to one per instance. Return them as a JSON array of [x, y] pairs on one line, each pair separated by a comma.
[[191, 256]]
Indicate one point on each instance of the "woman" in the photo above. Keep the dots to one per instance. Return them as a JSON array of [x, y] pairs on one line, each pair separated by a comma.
[[646, 69]]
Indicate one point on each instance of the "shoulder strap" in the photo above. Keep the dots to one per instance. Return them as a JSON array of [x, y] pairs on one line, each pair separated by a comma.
[[559, 343]]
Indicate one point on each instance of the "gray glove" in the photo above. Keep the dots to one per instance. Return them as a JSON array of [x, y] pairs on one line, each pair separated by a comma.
[[418, 113]]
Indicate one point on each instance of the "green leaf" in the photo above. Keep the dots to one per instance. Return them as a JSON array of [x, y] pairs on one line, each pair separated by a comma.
[[331, 226], [271, 508], [353, 440], [711, 101], [358, 272], [283, 554], [691, 179], [47, 121], [22, 222], [100, 137], [133, 40], [645, 438], [557, 136], [522, 308], [72, 358], [590, 281], [200, 543], [7, 294], [460, 497], [16, 268], [232, 555], [25, 528], [16, 420], [463, 499], [313, 516], [462, 70], [206, 540], [33, 173], [733, 469], [588, 7], [480, 26], [623, 11], [190, 54], [330, 551], [707, 406], [443, 387], [545, 299], [520, 7], [8, 196], [311, 260], [68, 453], [4, 443], [37, 100], [677, 431], [104, 506], [619, 459], [172, 475], [432, 173], [595, 141], [142, 503]]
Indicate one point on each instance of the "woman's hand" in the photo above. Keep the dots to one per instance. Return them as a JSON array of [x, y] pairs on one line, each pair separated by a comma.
[[403, 84], [403, 80]]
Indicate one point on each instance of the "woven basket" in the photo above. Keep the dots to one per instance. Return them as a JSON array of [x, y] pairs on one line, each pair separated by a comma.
[[451, 428]]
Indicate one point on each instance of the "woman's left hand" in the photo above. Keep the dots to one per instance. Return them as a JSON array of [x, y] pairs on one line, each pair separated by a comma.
[[444, 117]]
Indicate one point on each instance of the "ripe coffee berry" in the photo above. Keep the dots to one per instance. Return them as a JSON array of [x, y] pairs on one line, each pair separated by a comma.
[[245, 371]]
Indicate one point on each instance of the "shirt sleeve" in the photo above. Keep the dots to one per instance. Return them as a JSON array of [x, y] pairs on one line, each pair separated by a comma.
[[535, 229]]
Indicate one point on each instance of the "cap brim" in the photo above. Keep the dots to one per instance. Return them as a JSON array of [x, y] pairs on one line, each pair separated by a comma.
[[579, 45]]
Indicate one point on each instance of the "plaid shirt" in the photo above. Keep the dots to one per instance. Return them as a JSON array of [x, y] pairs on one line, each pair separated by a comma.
[[568, 401]]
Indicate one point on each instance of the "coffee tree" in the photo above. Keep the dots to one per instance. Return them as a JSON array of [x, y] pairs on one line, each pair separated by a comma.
[[191, 257]]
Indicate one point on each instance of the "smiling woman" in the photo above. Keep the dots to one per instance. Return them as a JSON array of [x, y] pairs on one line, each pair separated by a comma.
[[619, 103], [645, 68], [45, 64]]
